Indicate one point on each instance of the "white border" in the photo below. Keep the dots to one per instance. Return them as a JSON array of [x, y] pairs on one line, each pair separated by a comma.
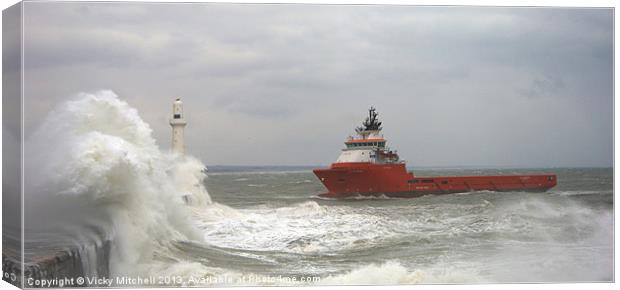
[[537, 3]]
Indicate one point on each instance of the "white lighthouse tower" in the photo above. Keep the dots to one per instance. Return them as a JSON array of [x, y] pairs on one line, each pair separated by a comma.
[[178, 125]]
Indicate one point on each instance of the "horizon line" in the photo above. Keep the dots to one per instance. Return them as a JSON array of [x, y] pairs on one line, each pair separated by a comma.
[[431, 166]]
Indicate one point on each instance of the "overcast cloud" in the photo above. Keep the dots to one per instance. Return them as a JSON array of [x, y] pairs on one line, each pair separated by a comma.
[[285, 84]]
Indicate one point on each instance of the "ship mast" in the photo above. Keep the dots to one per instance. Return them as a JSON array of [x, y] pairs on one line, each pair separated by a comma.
[[370, 125]]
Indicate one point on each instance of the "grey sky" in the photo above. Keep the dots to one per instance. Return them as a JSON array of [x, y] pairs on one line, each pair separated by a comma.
[[285, 84]]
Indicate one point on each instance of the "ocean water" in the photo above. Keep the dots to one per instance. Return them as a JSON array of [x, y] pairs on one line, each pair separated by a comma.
[[97, 181], [559, 236]]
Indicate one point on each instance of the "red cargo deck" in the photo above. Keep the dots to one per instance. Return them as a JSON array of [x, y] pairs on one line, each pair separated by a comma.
[[393, 180]]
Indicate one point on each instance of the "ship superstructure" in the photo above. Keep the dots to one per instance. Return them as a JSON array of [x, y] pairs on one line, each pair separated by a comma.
[[369, 144]]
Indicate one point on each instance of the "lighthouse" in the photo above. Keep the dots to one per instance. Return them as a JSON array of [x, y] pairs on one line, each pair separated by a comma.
[[178, 125]]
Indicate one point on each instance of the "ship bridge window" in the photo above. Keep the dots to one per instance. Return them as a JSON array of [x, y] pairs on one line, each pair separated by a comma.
[[427, 181], [177, 116]]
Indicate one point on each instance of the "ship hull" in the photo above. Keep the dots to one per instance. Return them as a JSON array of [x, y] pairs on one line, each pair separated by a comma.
[[393, 180]]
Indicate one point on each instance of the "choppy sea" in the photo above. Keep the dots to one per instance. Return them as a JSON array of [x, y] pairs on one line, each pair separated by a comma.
[[279, 227]]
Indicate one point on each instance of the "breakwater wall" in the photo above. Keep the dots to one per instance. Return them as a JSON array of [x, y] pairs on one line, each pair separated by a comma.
[[80, 261]]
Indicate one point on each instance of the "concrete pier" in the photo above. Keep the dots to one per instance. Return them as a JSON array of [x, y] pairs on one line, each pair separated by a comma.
[[83, 261]]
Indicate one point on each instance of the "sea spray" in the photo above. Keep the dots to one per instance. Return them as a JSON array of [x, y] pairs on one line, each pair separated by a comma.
[[188, 177], [97, 155]]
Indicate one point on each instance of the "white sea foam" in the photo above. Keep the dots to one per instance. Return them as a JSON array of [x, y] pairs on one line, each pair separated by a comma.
[[393, 273], [476, 192], [582, 192], [301, 228], [96, 149]]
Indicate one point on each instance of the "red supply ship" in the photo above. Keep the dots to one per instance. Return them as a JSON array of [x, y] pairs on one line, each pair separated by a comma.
[[367, 167]]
